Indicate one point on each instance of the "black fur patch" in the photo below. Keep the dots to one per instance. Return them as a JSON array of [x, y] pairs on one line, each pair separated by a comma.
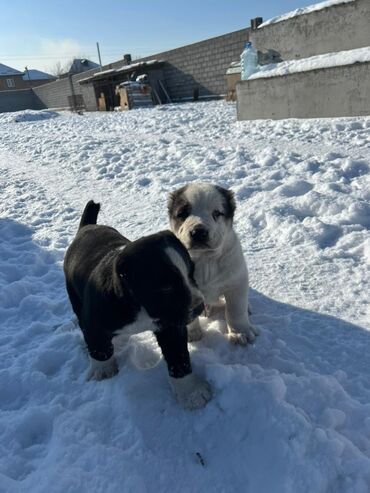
[[178, 207], [153, 280], [229, 201]]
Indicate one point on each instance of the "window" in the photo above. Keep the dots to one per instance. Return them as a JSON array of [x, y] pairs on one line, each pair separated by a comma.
[[10, 82]]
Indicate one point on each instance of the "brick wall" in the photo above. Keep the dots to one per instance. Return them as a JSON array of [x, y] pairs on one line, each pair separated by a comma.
[[86, 90], [56, 94], [200, 65]]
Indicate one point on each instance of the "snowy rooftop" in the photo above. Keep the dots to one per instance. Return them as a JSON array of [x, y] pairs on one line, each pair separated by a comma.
[[123, 68], [313, 63], [304, 10], [132, 66], [5, 70], [234, 68], [82, 65]]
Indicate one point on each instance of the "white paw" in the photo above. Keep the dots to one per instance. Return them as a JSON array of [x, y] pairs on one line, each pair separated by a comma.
[[99, 370], [192, 392], [243, 337]]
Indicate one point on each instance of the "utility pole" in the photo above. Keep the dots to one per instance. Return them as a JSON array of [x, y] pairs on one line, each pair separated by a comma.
[[97, 45], [28, 76]]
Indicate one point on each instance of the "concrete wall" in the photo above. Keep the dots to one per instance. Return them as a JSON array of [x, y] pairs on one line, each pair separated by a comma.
[[38, 82], [23, 99], [56, 94], [199, 65], [88, 93], [329, 92], [337, 28]]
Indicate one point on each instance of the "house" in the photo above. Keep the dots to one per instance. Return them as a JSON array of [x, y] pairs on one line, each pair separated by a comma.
[[34, 77], [78, 66], [11, 79]]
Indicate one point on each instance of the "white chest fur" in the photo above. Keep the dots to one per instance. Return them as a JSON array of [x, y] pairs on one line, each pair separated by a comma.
[[216, 274], [142, 323], [209, 282]]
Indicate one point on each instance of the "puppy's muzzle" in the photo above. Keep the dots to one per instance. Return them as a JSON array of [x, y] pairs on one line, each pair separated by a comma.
[[199, 235]]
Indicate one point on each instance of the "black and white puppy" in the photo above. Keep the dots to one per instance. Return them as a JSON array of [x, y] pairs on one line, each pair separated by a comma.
[[116, 285], [201, 216]]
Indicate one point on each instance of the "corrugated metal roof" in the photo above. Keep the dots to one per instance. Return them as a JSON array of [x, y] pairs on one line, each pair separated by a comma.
[[122, 69], [81, 65], [5, 70], [37, 75]]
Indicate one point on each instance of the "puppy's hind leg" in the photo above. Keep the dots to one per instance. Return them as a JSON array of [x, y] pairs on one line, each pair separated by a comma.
[[75, 300]]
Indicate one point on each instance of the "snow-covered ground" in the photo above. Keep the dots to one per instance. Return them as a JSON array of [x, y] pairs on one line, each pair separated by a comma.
[[290, 414]]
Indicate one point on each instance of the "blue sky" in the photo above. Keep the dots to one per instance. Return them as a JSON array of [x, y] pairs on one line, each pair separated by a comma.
[[39, 33]]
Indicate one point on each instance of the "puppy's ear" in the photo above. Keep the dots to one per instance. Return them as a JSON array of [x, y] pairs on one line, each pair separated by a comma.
[[173, 198], [229, 201]]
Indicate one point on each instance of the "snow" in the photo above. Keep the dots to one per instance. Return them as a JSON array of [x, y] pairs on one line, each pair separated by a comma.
[[123, 68], [289, 414], [234, 68], [139, 64], [316, 62], [27, 116], [304, 10]]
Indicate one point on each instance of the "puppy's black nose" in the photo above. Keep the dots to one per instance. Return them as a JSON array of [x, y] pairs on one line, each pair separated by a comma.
[[199, 234]]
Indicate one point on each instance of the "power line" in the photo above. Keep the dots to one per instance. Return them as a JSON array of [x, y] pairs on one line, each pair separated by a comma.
[[69, 55]]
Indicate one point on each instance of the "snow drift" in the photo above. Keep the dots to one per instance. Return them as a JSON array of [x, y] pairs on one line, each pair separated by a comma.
[[289, 414]]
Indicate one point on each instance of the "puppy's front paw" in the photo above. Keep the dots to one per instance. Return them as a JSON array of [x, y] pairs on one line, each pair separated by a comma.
[[99, 370], [192, 392], [244, 336]]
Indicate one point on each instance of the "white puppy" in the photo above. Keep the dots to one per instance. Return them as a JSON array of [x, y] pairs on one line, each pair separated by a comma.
[[201, 216]]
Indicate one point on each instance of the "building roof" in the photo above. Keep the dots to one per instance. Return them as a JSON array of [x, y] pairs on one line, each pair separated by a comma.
[[6, 71], [37, 75], [81, 65], [124, 68]]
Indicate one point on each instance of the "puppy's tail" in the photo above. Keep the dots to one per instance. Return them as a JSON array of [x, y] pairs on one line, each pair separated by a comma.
[[90, 214]]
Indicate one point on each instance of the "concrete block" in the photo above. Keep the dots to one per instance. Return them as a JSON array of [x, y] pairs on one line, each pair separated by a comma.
[[336, 28], [329, 92]]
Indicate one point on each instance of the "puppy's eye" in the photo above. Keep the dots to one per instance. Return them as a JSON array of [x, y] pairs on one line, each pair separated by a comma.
[[216, 214], [183, 213]]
